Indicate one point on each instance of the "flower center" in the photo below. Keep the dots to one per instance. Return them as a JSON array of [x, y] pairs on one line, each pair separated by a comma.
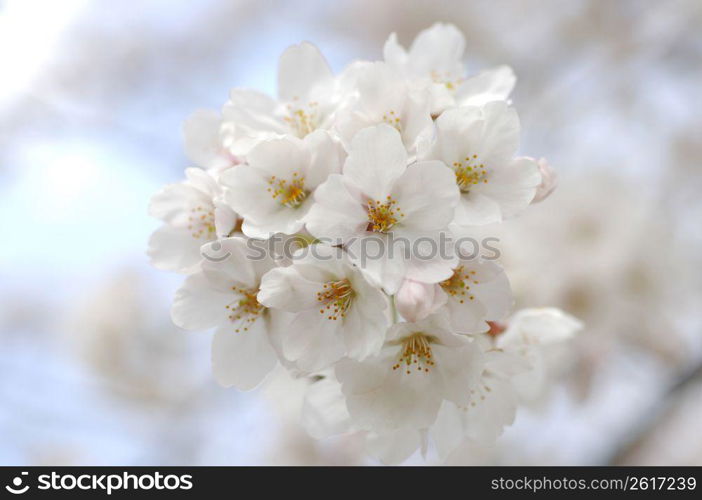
[[477, 396], [469, 173], [289, 193], [392, 119], [383, 216], [445, 79], [201, 222], [458, 284], [302, 120], [244, 311], [416, 350], [336, 297]]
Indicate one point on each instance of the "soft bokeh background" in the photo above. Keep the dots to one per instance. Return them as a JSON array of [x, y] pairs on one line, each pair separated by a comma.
[[92, 97]]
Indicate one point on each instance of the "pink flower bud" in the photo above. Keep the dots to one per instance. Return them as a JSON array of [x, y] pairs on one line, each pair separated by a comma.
[[415, 300], [549, 181]]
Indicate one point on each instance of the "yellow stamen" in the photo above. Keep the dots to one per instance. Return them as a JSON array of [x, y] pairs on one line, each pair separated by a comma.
[[393, 119], [416, 350], [469, 173], [246, 310], [458, 284], [302, 120], [289, 193], [383, 216], [201, 222], [335, 298]]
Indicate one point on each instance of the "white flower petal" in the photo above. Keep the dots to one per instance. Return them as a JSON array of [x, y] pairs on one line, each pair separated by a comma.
[[324, 410], [284, 288], [513, 186], [247, 192], [477, 209], [447, 431], [311, 343], [203, 144], [225, 219], [394, 54], [394, 447], [490, 85], [174, 249], [242, 359], [301, 68], [468, 316], [459, 368], [336, 214], [500, 135], [539, 326], [494, 293], [427, 194], [381, 399], [381, 266], [438, 49], [365, 323], [417, 123], [229, 262], [376, 159], [495, 408], [198, 306], [173, 203], [280, 158], [327, 157]]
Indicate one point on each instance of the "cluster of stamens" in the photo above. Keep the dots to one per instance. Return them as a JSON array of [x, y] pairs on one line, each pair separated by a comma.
[[302, 121], [416, 353], [469, 173], [289, 193], [458, 284], [382, 216], [446, 81], [476, 395], [201, 222], [335, 298], [393, 119], [246, 310]]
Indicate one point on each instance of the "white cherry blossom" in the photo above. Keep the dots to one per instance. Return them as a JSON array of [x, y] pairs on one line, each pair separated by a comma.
[[336, 311], [421, 365], [307, 101], [434, 62], [479, 145], [478, 291], [222, 294], [537, 334], [381, 206], [490, 406], [193, 214], [383, 96], [202, 136], [273, 190]]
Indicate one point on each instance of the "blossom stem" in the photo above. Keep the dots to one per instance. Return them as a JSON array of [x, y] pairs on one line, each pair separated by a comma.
[[393, 309]]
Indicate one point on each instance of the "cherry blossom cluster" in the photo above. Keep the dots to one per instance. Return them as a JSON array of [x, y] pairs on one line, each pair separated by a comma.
[[408, 348]]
